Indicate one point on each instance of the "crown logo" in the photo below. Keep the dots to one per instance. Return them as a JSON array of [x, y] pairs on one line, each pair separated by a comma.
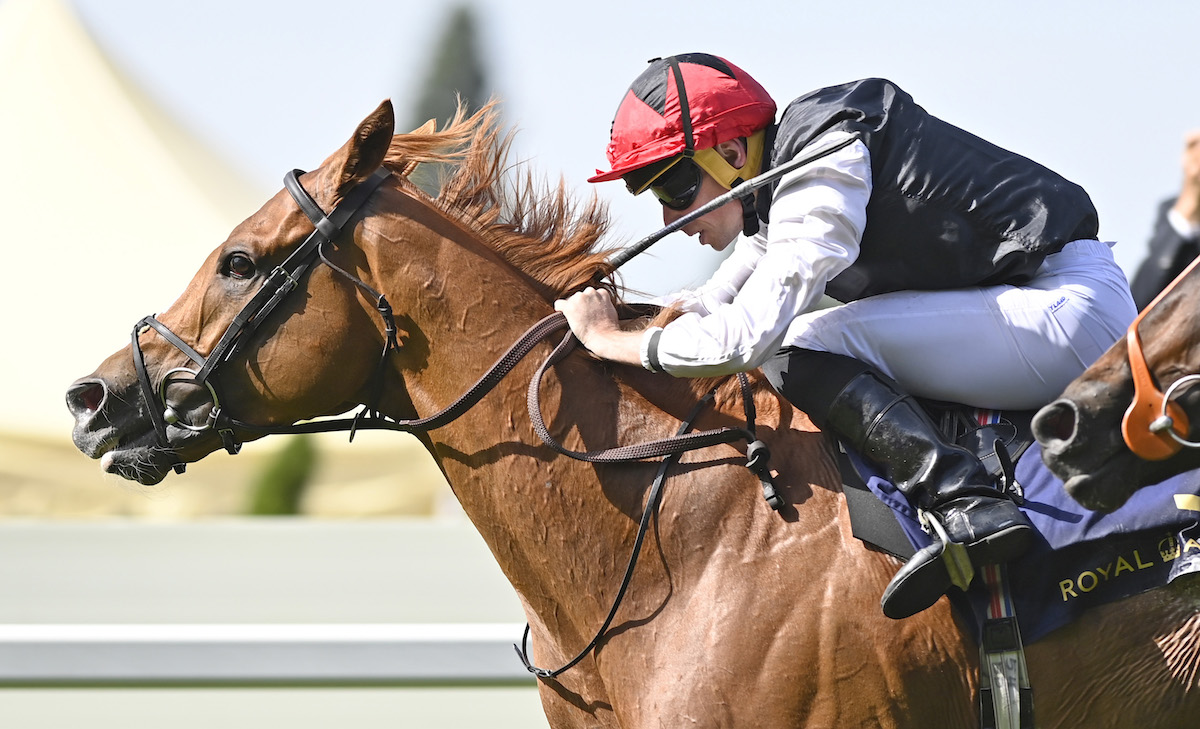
[[1168, 548]]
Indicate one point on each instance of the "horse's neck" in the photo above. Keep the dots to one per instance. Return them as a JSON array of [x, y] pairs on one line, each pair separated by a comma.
[[558, 525], [461, 307]]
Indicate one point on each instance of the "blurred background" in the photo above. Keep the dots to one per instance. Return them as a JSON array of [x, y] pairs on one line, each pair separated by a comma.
[[134, 135]]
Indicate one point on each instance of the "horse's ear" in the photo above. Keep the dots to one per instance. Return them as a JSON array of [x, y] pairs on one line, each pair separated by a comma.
[[364, 153]]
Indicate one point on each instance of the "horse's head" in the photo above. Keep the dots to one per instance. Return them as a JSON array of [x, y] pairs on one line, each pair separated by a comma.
[[288, 318], [228, 351], [1124, 423]]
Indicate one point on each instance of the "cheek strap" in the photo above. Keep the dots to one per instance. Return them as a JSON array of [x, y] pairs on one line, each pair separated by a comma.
[[1154, 427], [1150, 418]]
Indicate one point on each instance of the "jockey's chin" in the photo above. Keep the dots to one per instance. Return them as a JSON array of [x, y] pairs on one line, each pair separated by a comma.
[[716, 241]]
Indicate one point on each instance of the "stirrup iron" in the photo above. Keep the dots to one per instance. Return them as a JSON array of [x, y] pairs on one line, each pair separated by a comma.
[[954, 554]]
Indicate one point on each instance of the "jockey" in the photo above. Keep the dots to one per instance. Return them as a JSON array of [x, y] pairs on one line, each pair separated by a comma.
[[966, 274]]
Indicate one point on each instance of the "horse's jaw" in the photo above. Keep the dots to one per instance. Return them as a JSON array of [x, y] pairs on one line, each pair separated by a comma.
[[130, 454], [1084, 448], [1094, 489]]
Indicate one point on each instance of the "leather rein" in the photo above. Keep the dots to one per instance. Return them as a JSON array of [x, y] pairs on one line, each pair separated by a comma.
[[1154, 426], [285, 279]]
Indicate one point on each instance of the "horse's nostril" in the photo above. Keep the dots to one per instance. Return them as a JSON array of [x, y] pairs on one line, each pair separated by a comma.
[[1055, 422], [86, 397]]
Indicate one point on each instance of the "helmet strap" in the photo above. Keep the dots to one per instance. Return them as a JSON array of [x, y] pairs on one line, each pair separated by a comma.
[[749, 213], [685, 112]]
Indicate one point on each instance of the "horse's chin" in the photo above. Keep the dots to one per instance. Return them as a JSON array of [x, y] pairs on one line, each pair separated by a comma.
[[137, 456], [1100, 476], [1106, 485], [148, 465], [1098, 490]]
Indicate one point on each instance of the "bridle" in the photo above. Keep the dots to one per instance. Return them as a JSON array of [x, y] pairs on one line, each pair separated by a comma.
[[1155, 427], [285, 278], [275, 288]]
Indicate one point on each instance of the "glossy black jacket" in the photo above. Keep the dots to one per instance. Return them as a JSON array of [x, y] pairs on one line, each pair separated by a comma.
[[947, 209]]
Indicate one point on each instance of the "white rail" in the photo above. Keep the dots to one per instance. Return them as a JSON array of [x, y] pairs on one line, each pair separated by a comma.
[[254, 602], [277, 655]]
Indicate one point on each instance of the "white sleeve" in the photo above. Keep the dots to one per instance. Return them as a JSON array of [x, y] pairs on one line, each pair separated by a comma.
[[725, 282], [817, 219]]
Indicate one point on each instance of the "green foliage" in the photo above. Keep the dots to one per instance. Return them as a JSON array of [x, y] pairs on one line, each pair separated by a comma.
[[277, 489], [456, 71]]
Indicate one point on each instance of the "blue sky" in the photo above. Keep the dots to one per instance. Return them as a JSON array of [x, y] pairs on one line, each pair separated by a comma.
[[1101, 91]]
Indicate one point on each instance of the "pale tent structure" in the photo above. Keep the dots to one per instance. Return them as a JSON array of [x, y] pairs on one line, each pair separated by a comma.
[[110, 206]]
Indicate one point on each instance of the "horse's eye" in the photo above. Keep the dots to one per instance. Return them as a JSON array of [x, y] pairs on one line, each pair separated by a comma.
[[239, 265]]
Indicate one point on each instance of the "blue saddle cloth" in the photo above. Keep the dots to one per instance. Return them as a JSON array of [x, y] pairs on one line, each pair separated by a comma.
[[1083, 558]]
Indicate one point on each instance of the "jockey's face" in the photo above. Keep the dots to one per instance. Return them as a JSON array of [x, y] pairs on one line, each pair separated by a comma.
[[716, 229], [720, 227]]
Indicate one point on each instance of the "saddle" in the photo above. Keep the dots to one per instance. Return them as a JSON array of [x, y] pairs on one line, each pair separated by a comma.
[[1082, 560], [997, 439]]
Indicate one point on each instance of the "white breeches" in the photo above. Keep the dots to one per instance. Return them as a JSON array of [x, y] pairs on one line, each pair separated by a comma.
[[1001, 347]]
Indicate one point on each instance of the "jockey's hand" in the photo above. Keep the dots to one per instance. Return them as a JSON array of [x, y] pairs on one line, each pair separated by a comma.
[[589, 312], [593, 319]]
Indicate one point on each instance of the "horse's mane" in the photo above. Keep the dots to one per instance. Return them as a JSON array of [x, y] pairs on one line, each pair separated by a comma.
[[542, 232]]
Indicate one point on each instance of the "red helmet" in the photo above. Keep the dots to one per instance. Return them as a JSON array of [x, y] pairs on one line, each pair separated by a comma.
[[722, 100]]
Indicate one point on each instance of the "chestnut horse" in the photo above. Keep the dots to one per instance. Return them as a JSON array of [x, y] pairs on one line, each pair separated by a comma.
[[738, 615], [1124, 423]]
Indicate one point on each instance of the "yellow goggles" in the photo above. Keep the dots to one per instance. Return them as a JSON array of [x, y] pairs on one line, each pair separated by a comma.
[[676, 181]]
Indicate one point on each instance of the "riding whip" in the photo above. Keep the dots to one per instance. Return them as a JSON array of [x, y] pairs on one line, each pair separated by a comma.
[[622, 257]]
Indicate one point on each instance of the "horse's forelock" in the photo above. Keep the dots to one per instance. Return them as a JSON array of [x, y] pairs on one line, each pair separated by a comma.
[[540, 230]]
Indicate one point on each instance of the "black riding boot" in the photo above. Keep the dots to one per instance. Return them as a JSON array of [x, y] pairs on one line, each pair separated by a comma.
[[887, 427]]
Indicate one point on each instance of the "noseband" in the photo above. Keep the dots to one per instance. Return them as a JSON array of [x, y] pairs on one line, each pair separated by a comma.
[[285, 278], [281, 282], [1154, 427]]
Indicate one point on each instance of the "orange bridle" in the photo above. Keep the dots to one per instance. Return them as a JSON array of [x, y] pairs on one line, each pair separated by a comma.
[[1154, 427]]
